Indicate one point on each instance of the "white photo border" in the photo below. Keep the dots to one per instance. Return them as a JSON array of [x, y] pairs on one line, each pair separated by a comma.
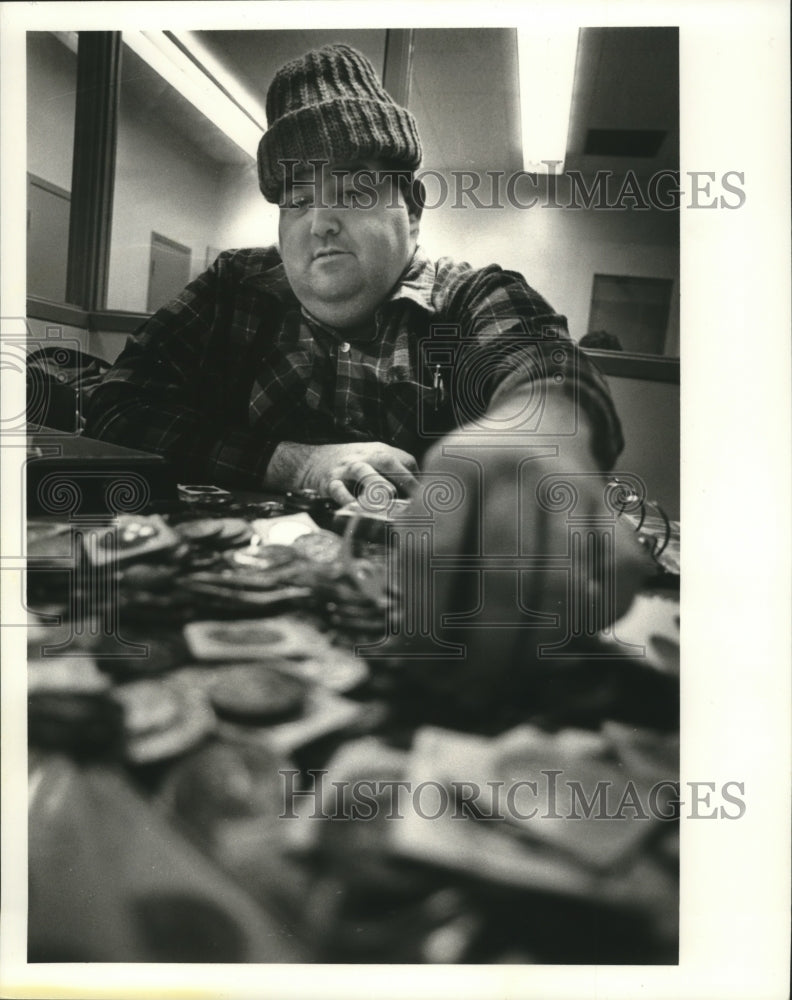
[[735, 365]]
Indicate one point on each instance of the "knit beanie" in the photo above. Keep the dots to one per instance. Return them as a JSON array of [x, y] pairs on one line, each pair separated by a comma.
[[329, 105]]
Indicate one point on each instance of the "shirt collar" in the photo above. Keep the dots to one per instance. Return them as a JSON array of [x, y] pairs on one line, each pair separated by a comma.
[[272, 279], [417, 282]]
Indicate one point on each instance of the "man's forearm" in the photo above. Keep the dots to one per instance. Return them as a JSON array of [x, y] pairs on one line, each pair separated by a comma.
[[287, 465], [575, 399], [557, 419]]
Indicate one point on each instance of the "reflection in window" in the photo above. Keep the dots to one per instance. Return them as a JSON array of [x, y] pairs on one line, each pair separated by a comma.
[[173, 169], [169, 270], [635, 311], [51, 98]]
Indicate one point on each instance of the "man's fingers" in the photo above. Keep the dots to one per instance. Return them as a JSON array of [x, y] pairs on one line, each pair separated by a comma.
[[358, 473], [403, 458], [398, 466], [376, 476], [339, 470], [634, 567], [339, 493]]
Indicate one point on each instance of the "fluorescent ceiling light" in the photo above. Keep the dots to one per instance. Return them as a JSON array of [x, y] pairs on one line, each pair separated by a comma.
[[248, 102], [547, 73], [67, 38], [184, 76]]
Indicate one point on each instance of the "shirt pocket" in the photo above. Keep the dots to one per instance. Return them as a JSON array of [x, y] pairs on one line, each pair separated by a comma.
[[415, 414]]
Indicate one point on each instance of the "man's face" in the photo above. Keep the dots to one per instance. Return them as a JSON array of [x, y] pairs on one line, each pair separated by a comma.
[[345, 237]]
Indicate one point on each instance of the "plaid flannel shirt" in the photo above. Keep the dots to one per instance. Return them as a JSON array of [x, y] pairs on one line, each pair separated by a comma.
[[218, 377]]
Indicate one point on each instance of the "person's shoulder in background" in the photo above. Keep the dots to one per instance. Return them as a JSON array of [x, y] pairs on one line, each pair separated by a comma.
[[601, 340]]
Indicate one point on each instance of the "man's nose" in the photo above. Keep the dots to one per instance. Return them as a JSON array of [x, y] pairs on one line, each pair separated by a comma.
[[324, 221]]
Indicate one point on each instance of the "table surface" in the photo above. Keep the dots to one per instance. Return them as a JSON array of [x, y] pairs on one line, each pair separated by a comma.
[[182, 852]]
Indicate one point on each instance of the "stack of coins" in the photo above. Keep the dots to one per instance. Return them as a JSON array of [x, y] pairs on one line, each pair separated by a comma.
[[161, 720], [252, 694], [71, 709], [140, 653]]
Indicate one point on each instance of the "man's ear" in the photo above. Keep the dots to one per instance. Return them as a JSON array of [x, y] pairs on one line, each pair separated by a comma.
[[415, 206], [415, 224]]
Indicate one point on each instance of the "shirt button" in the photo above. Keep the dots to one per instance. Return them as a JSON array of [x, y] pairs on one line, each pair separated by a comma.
[[344, 347]]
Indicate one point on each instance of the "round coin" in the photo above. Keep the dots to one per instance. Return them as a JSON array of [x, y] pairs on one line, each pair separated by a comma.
[[155, 654], [220, 781], [302, 499], [195, 721], [266, 508], [255, 633], [318, 546], [233, 531], [147, 576], [148, 707], [201, 531], [334, 668], [66, 675], [254, 694], [264, 556], [202, 559], [372, 622]]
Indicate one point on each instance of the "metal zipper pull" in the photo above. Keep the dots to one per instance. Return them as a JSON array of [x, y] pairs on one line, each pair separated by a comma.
[[439, 387]]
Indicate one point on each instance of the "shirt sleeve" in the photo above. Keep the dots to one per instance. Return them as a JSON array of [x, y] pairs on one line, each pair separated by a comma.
[[172, 390], [513, 340]]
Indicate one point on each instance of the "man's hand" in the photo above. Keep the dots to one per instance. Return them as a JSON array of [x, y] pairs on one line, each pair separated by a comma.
[[337, 470], [536, 561]]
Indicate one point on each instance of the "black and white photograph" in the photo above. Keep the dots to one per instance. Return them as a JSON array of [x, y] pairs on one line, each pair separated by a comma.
[[362, 369]]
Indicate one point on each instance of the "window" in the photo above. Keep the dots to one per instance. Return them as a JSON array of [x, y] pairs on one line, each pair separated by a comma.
[[172, 167], [51, 99], [47, 238], [169, 270], [634, 310]]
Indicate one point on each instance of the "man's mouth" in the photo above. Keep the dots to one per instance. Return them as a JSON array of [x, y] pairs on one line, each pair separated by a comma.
[[328, 252]]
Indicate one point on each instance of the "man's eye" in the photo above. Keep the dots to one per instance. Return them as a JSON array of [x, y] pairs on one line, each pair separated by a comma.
[[298, 201], [351, 197]]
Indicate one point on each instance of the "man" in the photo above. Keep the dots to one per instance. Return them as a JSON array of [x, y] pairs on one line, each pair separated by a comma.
[[346, 358]]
